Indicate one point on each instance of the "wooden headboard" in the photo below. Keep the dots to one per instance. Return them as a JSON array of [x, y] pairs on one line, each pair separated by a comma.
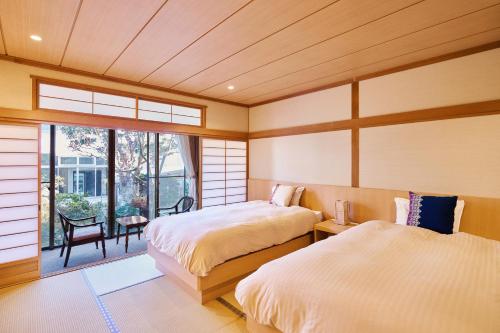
[[481, 216]]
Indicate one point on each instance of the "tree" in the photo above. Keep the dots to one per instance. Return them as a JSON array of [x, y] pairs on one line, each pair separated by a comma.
[[131, 158]]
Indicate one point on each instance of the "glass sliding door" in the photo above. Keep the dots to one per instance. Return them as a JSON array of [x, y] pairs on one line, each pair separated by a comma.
[[45, 188], [74, 177], [81, 168], [149, 173], [172, 175], [132, 170]]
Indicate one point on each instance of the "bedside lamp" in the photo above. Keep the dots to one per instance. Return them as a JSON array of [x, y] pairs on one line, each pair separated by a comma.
[[342, 212]]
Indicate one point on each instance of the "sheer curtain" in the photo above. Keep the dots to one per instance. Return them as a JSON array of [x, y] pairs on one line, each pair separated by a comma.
[[188, 148]]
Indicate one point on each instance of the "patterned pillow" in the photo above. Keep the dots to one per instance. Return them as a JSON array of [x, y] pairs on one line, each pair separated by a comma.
[[434, 213]]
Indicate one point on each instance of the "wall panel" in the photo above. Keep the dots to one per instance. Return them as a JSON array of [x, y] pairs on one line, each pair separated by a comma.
[[321, 158], [447, 156], [318, 107], [468, 79], [19, 202]]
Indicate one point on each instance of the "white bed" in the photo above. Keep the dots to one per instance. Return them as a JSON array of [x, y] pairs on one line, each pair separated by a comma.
[[379, 277], [203, 239], [208, 251]]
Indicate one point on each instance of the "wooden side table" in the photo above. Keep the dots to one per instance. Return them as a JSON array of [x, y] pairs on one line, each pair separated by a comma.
[[328, 228], [130, 222]]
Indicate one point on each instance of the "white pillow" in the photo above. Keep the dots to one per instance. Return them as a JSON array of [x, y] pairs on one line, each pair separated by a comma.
[[295, 201], [403, 209], [296, 196], [282, 195]]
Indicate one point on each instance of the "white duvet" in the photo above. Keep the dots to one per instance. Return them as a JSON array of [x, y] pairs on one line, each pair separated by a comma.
[[203, 239], [380, 277]]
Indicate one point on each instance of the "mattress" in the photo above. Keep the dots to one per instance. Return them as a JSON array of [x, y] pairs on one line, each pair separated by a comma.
[[380, 277], [203, 239]]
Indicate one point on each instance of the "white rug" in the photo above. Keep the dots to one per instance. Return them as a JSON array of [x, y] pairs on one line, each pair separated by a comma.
[[120, 274]]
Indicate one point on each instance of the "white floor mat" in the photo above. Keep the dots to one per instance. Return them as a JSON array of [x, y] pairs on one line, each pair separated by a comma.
[[120, 274]]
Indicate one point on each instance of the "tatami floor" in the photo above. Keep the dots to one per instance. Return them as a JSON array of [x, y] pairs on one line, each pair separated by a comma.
[[68, 303]]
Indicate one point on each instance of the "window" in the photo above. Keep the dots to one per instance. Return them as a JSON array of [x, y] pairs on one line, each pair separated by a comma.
[[80, 181], [86, 160], [68, 160], [167, 113], [224, 176], [89, 100]]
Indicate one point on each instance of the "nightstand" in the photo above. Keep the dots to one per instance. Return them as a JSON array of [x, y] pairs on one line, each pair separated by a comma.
[[328, 228]]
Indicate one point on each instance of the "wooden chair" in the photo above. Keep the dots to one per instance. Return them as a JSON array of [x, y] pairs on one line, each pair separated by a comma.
[[185, 203], [79, 232]]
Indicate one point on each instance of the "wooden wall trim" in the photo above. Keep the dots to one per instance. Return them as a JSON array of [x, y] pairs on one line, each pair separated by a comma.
[[481, 216], [430, 61], [82, 119], [355, 135], [19, 271], [304, 129], [438, 113], [67, 70], [431, 114]]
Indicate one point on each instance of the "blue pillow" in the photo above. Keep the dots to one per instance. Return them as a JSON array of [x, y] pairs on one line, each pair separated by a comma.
[[434, 213]]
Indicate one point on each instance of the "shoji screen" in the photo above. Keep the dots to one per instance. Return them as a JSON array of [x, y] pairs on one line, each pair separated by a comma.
[[19, 199], [224, 172]]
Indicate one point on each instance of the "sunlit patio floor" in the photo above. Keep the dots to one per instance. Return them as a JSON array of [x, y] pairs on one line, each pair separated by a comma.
[[87, 254]]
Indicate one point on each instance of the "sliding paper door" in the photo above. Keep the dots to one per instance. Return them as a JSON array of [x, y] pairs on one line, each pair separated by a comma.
[[19, 202], [224, 172]]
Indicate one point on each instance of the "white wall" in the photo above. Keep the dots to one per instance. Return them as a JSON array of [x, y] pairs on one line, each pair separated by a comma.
[[460, 156], [456, 156], [318, 107], [320, 158], [16, 88], [474, 78]]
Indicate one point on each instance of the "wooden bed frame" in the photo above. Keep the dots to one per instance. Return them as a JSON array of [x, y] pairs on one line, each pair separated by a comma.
[[224, 277]]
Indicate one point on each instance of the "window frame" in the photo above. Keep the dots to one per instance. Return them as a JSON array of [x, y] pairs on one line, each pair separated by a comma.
[[37, 81]]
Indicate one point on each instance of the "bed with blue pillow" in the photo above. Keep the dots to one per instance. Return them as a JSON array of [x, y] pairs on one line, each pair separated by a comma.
[[422, 275]]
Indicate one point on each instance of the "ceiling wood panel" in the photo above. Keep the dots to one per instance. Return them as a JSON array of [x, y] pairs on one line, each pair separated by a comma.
[[258, 20], [428, 53], [50, 19], [266, 49], [334, 20], [470, 24], [178, 24], [415, 18], [96, 40]]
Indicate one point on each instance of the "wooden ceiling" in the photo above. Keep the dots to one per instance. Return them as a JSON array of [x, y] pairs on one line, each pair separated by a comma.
[[265, 49]]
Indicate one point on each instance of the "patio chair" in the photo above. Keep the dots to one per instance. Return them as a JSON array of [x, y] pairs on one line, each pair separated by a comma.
[[182, 206], [79, 232]]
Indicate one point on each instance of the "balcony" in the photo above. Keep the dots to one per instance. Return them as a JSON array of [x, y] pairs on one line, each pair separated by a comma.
[[84, 168], [84, 255]]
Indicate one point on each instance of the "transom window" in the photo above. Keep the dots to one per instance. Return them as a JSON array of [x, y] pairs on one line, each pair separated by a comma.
[[62, 98]]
